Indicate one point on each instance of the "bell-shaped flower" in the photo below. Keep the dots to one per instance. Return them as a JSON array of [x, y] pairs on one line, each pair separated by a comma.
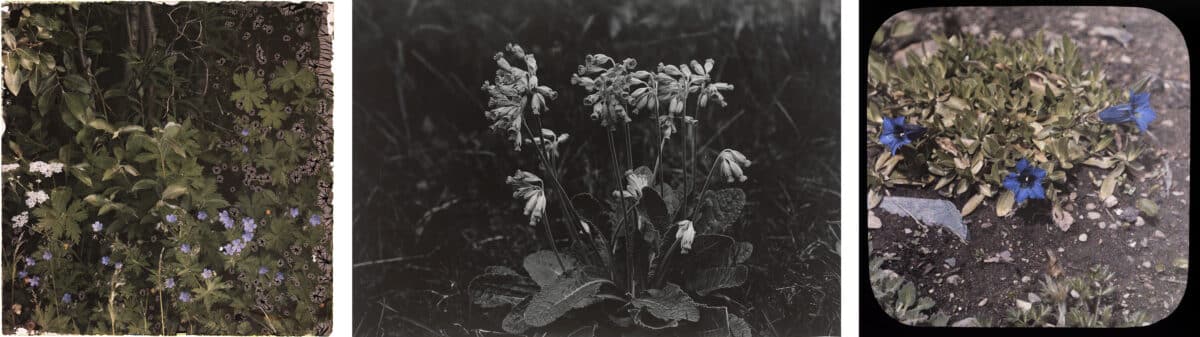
[[549, 141], [686, 234], [732, 162], [1137, 110], [1026, 182], [636, 180], [528, 187], [511, 90], [896, 134]]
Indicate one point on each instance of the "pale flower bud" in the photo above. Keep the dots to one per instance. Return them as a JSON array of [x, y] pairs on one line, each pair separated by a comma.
[[686, 235]]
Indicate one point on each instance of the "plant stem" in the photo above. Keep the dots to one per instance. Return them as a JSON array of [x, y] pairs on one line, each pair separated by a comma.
[[708, 178], [612, 149], [550, 234]]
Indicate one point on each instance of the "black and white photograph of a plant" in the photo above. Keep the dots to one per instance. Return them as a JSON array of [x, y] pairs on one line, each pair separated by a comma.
[[596, 168]]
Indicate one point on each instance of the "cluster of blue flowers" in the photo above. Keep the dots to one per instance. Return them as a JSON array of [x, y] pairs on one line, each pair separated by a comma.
[[1026, 180]]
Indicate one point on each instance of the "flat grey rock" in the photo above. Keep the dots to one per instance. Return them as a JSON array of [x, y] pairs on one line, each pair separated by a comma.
[[929, 212]]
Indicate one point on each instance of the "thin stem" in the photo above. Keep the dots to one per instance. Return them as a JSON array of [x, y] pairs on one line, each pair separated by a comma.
[[550, 172], [662, 267], [707, 179], [612, 148], [550, 234]]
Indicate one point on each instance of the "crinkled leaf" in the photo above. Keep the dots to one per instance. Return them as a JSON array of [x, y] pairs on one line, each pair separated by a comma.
[[554, 300], [722, 209], [514, 322], [706, 280], [669, 304], [544, 267]]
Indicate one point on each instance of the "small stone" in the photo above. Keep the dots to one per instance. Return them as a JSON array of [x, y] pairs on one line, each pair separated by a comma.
[[1159, 234], [1024, 306], [1089, 206], [873, 221], [1168, 122], [1090, 215], [1118, 211], [1074, 294], [1102, 225], [1139, 222], [1110, 201], [1033, 298], [985, 225], [1146, 264], [983, 302], [951, 261], [907, 231], [1083, 237], [1177, 193], [1126, 59], [954, 279], [1025, 279]]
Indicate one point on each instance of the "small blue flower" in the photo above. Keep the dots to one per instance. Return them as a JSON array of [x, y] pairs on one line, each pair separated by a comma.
[[262, 270], [104, 260], [314, 220], [1026, 182], [279, 277], [46, 256], [248, 224], [225, 219], [1138, 110], [171, 218], [169, 283], [201, 215], [23, 274], [245, 132], [294, 212], [66, 298], [35, 281], [206, 274], [185, 248], [245, 149], [185, 296], [97, 226], [30, 262], [896, 134]]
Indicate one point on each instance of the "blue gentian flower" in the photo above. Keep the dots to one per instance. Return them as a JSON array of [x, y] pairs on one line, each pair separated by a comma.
[[185, 296], [295, 212], [35, 281], [66, 298], [104, 260], [169, 283], [896, 134], [314, 220], [1138, 110], [206, 274], [30, 262], [262, 270], [1026, 182], [248, 225], [225, 219], [47, 256], [22, 274], [185, 248], [171, 218], [201, 215], [279, 277], [245, 132], [247, 237], [97, 226]]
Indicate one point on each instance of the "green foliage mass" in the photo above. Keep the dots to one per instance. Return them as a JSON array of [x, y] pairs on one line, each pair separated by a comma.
[[187, 201]]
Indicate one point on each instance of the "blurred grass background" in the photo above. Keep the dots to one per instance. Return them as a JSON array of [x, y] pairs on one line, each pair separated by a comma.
[[431, 208]]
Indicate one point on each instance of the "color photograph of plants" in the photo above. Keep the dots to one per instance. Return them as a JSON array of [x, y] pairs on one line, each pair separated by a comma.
[[1028, 166], [166, 168], [596, 168]]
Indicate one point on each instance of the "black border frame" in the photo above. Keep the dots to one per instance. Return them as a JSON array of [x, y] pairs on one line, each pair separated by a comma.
[[873, 321]]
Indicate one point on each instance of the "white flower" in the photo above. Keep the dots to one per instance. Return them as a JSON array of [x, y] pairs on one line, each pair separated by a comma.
[[46, 169], [636, 180], [731, 162], [686, 235], [9, 167], [550, 141], [33, 198], [586, 229], [20, 219], [529, 187]]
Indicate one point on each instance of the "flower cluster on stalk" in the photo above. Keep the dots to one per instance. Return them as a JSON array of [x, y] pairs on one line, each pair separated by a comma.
[[513, 89], [528, 187]]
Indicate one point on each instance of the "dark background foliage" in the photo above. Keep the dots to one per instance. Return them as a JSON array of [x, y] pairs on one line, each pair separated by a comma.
[[431, 207]]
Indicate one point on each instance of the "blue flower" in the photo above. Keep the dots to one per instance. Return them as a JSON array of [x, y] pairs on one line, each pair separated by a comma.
[[295, 212], [1138, 110], [30, 262], [185, 296], [201, 215], [225, 219], [47, 256], [262, 270], [97, 226], [1026, 182], [169, 283], [104, 260], [66, 298], [171, 218], [185, 248], [22, 274], [206, 274], [279, 277], [245, 132], [248, 225], [896, 134], [314, 220], [35, 281]]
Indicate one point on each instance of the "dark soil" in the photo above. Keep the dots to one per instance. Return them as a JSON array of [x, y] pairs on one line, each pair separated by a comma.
[[1140, 256], [429, 177]]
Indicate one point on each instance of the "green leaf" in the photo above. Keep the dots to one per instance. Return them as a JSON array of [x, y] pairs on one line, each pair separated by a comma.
[[273, 114], [251, 93], [61, 216], [291, 76], [544, 267], [555, 300], [669, 304], [174, 191]]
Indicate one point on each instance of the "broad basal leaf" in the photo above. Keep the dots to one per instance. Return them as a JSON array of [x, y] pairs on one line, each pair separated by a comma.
[[669, 305], [555, 300], [723, 207], [706, 280], [653, 206], [545, 269]]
